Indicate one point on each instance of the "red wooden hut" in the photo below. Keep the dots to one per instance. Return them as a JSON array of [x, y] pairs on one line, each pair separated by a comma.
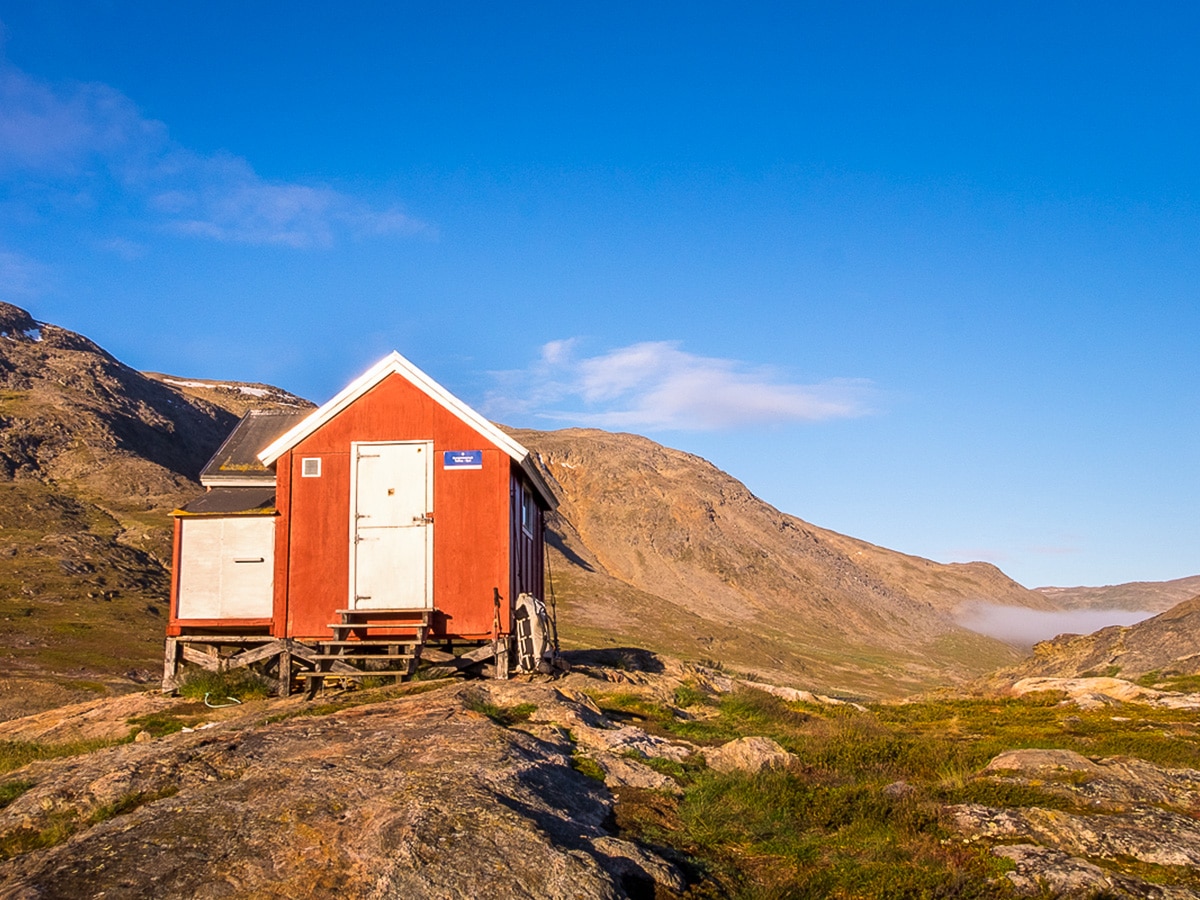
[[392, 511]]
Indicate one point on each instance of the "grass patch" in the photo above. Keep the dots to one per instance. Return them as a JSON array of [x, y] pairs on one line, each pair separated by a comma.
[[11, 790], [783, 834], [63, 823], [1173, 876], [688, 695], [14, 754], [506, 716], [585, 765], [223, 687], [60, 825], [1002, 795], [747, 711], [1184, 684], [128, 803], [168, 721]]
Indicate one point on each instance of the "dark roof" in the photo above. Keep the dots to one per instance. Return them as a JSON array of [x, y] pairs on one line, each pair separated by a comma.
[[232, 502], [236, 461]]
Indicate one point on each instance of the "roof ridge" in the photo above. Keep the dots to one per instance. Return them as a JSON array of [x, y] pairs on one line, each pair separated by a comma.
[[395, 363]]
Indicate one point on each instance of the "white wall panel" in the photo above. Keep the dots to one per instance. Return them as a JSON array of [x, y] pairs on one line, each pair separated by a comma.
[[227, 568]]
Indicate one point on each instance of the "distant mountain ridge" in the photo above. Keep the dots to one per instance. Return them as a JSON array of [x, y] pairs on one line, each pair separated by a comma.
[[235, 396], [1155, 596]]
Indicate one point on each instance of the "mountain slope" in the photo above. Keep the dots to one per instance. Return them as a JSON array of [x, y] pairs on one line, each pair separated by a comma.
[[73, 415], [93, 457], [659, 548]]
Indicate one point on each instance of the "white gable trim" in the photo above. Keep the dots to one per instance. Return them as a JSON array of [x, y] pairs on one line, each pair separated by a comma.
[[396, 364]]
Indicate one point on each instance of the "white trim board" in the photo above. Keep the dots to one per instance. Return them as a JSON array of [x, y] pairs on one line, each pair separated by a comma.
[[395, 364]]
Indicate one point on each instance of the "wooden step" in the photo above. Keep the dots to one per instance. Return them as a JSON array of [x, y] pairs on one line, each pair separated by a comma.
[[375, 640], [397, 611], [315, 675], [401, 629]]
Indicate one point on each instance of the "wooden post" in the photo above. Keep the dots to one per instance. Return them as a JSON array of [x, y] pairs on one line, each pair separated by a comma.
[[285, 671], [502, 658], [170, 666], [499, 640]]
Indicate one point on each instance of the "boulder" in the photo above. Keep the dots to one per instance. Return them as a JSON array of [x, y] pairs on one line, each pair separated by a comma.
[[749, 754], [621, 771]]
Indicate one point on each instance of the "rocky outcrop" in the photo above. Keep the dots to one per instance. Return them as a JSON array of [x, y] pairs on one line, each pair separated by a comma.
[[1116, 810], [1165, 643], [418, 797], [1093, 693], [528, 788], [511, 786], [1040, 871], [1113, 783]]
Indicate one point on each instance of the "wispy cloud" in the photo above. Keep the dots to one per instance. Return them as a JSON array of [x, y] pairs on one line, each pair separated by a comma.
[[90, 139], [21, 276], [122, 247], [654, 385]]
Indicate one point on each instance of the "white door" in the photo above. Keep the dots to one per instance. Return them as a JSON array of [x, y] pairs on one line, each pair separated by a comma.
[[391, 528]]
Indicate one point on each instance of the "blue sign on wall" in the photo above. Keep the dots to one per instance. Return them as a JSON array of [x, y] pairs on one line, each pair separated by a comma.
[[462, 459]]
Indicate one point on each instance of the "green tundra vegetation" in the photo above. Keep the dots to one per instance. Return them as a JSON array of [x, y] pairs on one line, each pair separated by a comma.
[[859, 814]]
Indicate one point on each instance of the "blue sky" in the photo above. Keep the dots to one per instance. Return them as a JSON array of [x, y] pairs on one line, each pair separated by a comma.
[[922, 273]]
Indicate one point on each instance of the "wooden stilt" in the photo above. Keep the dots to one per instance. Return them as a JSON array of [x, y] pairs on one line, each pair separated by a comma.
[[502, 658], [383, 644], [285, 671], [170, 666]]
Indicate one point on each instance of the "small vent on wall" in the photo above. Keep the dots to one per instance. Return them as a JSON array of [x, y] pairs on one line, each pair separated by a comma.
[[310, 467]]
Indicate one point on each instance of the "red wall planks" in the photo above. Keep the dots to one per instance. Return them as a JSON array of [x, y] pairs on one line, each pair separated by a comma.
[[471, 524]]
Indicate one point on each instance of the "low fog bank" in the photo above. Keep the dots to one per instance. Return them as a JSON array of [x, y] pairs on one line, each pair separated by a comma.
[[1025, 627]]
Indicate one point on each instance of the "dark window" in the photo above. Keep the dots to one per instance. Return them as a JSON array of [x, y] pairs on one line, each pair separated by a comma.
[[528, 511]]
